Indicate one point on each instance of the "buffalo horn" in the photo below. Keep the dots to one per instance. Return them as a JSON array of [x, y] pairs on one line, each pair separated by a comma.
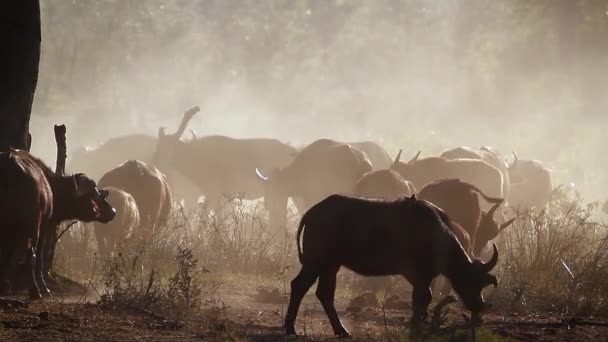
[[415, 157], [493, 209], [397, 158], [515, 160], [259, 173], [506, 224], [488, 266]]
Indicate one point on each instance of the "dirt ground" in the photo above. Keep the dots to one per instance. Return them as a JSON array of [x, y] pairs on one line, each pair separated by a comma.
[[238, 315]]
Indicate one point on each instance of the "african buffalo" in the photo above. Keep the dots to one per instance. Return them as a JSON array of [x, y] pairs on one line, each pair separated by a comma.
[[372, 237], [218, 165], [97, 161], [487, 154], [477, 172], [460, 202], [148, 187], [122, 226], [34, 200], [377, 155], [532, 184], [386, 184], [322, 168]]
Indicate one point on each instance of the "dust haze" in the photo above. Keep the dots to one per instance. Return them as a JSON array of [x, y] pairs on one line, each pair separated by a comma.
[[429, 75]]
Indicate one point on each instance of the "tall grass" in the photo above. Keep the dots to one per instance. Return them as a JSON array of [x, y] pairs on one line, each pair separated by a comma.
[[556, 260]]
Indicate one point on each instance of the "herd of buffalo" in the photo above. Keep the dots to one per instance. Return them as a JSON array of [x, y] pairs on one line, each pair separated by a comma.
[[362, 209]]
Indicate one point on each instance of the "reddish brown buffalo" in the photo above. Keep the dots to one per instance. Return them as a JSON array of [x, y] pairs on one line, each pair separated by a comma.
[[477, 172], [407, 237], [460, 202], [149, 188], [386, 184], [33, 201], [124, 224]]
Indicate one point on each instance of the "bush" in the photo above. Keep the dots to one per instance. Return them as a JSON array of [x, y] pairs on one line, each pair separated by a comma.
[[556, 260]]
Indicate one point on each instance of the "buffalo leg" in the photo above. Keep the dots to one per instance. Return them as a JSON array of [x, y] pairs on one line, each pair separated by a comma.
[[9, 271], [326, 291], [421, 299], [34, 289], [39, 269], [299, 286]]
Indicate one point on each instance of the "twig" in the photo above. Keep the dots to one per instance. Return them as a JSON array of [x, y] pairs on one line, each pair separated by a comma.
[[65, 230]]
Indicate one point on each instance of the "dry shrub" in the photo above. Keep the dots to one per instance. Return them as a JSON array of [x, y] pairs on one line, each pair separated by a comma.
[[556, 260], [178, 267]]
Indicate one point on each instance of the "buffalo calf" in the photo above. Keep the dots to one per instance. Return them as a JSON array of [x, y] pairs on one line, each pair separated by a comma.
[[123, 225]]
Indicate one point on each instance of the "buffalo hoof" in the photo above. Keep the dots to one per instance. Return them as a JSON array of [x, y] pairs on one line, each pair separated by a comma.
[[343, 333], [34, 294], [290, 330], [476, 319]]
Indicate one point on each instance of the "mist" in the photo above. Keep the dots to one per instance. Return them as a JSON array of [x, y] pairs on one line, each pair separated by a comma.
[[429, 75]]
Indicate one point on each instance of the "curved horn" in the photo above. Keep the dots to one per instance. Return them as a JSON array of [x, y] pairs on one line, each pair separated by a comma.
[[415, 157], [506, 224], [515, 161], [493, 209], [193, 133], [259, 173], [161, 131], [488, 266], [398, 157]]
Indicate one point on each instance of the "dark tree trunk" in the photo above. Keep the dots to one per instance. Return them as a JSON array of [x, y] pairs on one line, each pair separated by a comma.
[[19, 57]]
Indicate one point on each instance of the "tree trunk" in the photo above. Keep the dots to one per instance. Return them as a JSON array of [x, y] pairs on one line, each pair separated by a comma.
[[19, 57]]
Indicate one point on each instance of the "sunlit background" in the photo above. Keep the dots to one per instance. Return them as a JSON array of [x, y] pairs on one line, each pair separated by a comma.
[[524, 76]]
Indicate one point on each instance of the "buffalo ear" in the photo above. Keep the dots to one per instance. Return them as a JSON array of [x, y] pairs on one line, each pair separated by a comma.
[[104, 193]]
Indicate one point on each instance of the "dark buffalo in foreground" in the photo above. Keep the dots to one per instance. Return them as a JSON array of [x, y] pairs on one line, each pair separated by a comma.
[[323, 168], [33, 201], [532, 184], [149, 188], [218, 165], [460, 201], [406, 237], [487, 154], [385, 184], [477, 172], [122, 226]]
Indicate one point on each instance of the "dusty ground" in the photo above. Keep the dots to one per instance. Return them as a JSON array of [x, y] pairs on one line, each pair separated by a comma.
[[238, 315]]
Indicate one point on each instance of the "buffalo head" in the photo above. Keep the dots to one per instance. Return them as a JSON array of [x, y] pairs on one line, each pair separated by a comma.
[[488, 228], [469, 282], [90, 203]]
